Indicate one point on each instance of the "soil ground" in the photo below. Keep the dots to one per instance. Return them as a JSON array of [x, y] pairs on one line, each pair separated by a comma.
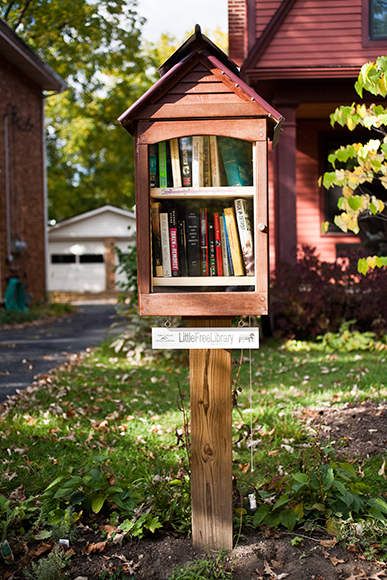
[[358, 429]]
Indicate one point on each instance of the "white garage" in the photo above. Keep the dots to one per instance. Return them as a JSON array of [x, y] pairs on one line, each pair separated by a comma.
[[81, 250]]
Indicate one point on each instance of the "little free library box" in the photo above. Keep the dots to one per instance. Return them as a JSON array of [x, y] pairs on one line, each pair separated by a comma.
[[201, 137]]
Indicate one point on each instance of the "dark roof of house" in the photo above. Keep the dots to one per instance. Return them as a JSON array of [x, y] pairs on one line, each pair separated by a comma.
[[16, 51]]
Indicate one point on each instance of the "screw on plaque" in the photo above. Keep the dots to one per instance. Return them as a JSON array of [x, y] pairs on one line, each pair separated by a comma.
[[167, 323]]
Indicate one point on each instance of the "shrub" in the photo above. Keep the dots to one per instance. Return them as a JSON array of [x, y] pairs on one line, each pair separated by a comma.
[[315, 297]]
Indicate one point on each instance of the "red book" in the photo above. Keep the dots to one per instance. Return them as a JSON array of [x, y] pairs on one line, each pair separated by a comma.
[[218, 246], [173, 242], [204, 241]]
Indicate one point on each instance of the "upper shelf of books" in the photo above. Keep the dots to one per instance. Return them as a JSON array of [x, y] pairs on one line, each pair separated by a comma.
[[204, 165]]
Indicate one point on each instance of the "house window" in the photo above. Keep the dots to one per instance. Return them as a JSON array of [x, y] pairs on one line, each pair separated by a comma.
[[62, 259], [378, 20], [91, 259]]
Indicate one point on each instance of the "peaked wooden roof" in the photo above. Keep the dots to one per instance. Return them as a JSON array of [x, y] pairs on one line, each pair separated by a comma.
[[200, 77]]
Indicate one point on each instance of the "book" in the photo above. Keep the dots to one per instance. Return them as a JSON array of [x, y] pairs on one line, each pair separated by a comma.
[[223, 243], [153, 176], [203, 241], [214, 154], [245, 235], [233, 239], [156, 239], [164, 164], [197, 161], [193, 243], [185, 147], [236, 161], [165, 244], [228, 248], [182, 247], [175, 162], [172, 217], [218, 245], [211, 249], [207, 178]]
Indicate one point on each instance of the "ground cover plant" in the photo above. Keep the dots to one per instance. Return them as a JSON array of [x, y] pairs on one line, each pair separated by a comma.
[[97, 454]]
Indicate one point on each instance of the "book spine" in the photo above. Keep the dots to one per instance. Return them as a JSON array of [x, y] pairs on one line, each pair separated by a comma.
[[165, 244], [163, 164], [156, 239], [173, 242], [223, 242], [218, 246], [197, 161], [236, 162], [182, 247], [245, 235], [233, 239], [175, 162], [211, 252], [204, 241], [207, 179], [193, 243], [228, 248], [153, 177], [215, 170], [185, 145]]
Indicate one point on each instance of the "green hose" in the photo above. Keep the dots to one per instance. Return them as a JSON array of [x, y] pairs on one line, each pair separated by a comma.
[[14, 296]]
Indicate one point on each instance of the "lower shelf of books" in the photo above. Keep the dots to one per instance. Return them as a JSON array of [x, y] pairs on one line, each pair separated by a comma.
[[204, 281]]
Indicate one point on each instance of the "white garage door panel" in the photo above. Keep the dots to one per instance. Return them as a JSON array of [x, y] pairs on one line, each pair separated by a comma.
[[77, 278]]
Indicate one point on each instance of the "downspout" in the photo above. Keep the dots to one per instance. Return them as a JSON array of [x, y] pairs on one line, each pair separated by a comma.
[[45, 199], [7, 190]]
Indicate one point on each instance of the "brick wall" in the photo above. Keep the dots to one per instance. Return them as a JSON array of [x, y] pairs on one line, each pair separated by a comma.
[[237, 30], [21, 112]]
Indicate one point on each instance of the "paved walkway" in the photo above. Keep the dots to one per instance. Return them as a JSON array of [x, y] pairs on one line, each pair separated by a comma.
[[27, 352]]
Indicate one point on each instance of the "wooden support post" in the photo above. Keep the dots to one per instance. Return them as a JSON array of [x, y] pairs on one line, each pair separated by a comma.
[[211, 444]]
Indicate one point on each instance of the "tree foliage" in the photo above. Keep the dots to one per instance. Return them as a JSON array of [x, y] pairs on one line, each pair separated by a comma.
[[368, 162]]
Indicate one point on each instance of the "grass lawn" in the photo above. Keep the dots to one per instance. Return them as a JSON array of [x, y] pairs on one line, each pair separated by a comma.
[[107, 436]]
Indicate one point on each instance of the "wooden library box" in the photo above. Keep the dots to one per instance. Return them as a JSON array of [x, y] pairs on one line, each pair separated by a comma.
[[201, 139]]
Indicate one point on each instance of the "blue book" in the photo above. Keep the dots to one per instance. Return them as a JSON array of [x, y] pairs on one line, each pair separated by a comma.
[[230, 264], [236, 161]]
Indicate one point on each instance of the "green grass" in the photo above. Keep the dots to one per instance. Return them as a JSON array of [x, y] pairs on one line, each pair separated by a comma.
[[120, 417], [36, 312]]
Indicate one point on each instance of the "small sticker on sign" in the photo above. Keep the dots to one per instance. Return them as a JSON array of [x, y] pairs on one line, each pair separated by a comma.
[[226, 338]]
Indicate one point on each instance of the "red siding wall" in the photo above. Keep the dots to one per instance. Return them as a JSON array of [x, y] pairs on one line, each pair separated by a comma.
[[264, 12], [316, 33], [21, 105]]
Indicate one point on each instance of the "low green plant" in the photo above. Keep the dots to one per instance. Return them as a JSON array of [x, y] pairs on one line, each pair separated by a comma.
[[345, 340], [90, 492], [49, 568], [117, 575], [213, 567], [319, 494], [16, 516]]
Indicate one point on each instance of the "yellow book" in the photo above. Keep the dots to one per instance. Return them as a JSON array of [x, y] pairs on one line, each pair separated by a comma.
[[233, 239]]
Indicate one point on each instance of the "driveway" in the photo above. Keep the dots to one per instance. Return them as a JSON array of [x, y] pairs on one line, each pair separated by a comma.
[[27, 352]]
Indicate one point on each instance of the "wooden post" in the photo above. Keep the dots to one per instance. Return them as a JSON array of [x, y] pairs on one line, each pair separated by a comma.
[[211, 444]]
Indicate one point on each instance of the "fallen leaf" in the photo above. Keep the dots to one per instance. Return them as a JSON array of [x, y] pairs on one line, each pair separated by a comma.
[[96, 547], [109, 530], [381, 470], [274, 452], [244, 467], [336, 561], [328, 543]]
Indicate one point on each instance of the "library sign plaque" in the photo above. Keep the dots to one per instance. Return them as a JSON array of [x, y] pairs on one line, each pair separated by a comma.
[[226, 338]]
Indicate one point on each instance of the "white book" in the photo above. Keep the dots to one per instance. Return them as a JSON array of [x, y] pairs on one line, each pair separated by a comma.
[[215, 172], [197, 161], [245, 235], [223, 243], [175, 162], [165, 245]]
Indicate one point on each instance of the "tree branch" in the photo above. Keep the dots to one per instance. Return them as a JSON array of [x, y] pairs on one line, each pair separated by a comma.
[[27, 3]]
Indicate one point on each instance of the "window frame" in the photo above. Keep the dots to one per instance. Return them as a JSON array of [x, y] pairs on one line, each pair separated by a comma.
[[367, 41]]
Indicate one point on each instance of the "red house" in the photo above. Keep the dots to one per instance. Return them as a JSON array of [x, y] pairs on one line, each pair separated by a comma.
[[24, 80], [303, 57]]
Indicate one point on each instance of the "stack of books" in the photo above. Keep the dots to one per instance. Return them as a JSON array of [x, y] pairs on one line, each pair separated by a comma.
[[189, 239], [200, 161]]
